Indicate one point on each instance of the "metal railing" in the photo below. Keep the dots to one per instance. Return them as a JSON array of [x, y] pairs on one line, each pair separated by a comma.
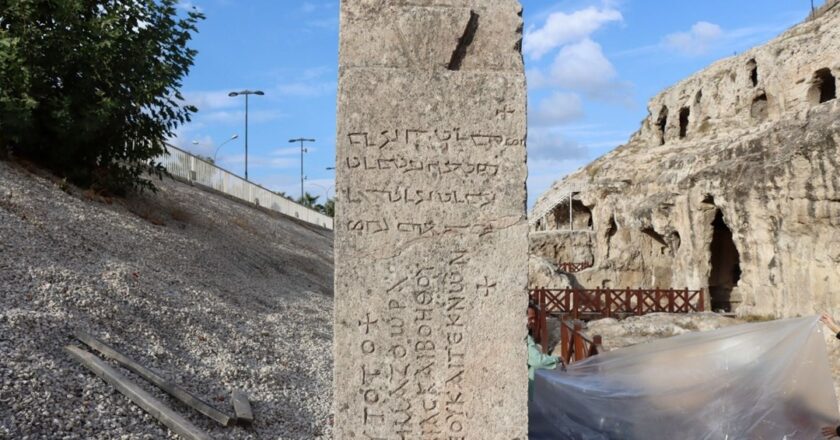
[[193, 169], [561, 196]]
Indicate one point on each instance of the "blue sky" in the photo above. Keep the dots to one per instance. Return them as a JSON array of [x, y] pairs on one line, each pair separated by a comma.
[[591, 66]]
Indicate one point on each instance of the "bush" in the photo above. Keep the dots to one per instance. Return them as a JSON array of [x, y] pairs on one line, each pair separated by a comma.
[[90, 88]]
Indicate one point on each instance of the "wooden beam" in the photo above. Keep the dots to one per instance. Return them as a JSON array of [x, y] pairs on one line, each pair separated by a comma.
[[242, 407], [172, 389], [140, 397]]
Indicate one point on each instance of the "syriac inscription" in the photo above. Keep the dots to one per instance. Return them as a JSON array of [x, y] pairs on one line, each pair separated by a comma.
[[417, 165], [443, 140], [412, 196]]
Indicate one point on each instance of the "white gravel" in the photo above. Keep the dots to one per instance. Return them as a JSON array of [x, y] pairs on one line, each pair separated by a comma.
[[212, 293]]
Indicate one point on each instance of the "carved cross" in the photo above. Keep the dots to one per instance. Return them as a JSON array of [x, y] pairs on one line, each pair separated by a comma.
[[367, 323], [487, 286], [504, 112]]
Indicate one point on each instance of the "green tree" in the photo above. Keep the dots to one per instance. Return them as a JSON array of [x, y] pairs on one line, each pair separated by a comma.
[[308, 200], [329, 208], [90, 88]]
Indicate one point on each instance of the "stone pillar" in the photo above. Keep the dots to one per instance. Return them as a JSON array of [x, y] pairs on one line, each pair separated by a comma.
[[431, 233]]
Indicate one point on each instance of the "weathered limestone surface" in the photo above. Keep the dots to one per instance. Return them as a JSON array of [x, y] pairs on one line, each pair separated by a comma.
[[431, 235], [743, 148]]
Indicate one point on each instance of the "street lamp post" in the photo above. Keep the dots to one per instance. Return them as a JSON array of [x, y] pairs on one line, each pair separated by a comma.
[[302, 150], [246, 93], [236, 136]]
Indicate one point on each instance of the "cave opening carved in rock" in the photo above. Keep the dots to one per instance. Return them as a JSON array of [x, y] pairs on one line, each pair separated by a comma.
[[759, 109], [662, 124], [752, 67], [726, 266], [685, 112], [824, 87]]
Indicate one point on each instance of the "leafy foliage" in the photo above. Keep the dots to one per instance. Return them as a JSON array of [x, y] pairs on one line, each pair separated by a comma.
[[329, 208], [90, 88], [308, 200], [311, 201]]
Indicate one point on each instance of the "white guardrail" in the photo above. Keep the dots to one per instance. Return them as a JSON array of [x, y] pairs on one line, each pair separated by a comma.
[[561, 196], [187, 166]]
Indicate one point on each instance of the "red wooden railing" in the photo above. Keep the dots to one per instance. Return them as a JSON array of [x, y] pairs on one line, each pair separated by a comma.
[[573, 267], [574, 345], [578, 304], [618, 303]]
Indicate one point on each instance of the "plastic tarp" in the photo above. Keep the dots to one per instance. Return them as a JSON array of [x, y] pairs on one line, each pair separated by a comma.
[[768, 380]]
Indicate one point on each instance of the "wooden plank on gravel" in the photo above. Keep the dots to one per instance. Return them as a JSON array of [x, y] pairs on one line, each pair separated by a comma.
[[174, 390], [140, 397], [242, 407]]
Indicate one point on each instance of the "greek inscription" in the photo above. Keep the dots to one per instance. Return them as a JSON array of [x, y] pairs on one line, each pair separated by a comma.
[[368, 416], [371, 397], [368, 377], [368, 347]]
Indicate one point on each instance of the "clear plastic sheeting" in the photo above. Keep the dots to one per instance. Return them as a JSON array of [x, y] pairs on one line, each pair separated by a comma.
[[755, 381]]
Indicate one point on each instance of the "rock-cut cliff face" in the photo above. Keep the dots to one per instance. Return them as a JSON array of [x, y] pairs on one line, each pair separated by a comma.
[[731, 185]]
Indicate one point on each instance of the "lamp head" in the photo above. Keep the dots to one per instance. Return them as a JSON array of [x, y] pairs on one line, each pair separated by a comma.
[[259, 92], [232, 94]]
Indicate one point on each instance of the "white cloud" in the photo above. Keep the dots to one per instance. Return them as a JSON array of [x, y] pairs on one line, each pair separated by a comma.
[[581, 66], [559, 108], [698, 41], [706, 38], [561, 29], [551, 144]]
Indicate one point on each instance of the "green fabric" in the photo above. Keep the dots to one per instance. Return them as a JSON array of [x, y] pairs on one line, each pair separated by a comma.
[[537, 360]]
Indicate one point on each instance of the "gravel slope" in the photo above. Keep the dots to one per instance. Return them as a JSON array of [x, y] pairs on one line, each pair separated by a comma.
[[214, 294]]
